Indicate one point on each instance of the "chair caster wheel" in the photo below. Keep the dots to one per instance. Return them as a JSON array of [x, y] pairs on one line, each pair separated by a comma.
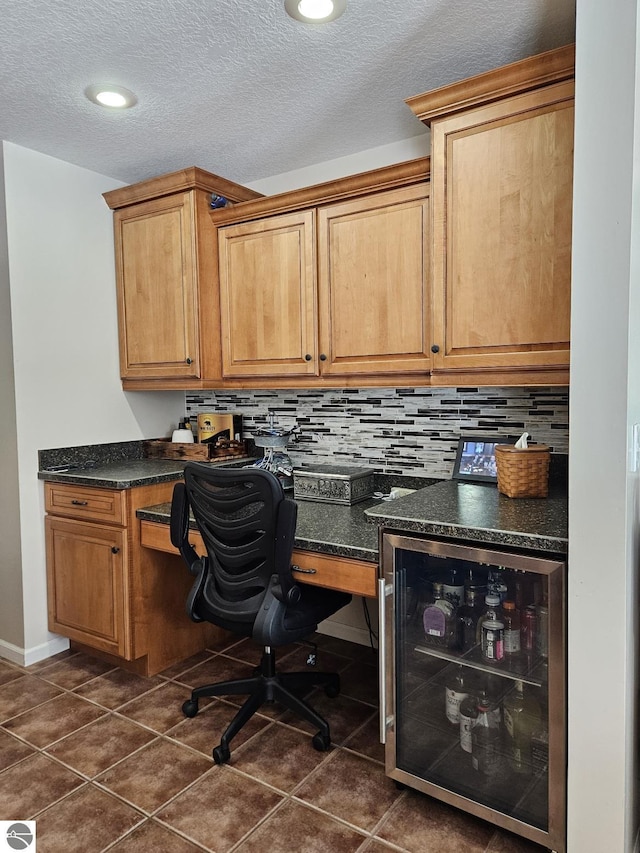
[[221, 754], [321, 742], [190, 708], [333, 689]]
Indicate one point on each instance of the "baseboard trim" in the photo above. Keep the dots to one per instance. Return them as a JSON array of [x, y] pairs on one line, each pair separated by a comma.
[[25, 657], [344, 632]]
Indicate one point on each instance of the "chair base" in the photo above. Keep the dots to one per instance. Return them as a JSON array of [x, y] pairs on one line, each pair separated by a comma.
[[268, 686]]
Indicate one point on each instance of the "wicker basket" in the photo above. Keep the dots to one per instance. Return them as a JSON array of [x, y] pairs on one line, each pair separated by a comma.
[[523, 473]]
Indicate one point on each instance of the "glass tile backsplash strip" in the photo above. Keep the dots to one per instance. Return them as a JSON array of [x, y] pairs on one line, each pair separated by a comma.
[[396, 430]]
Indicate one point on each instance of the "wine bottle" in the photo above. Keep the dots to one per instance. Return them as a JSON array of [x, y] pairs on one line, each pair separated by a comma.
[[521, 718], [485, 740], [455, 692], [468, 714]]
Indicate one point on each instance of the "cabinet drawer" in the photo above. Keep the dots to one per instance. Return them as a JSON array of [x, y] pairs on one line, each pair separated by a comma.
[[85, 502], [354, 576]]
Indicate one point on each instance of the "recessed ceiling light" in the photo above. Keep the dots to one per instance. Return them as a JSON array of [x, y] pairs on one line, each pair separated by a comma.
[[315, 11], [116, 97]]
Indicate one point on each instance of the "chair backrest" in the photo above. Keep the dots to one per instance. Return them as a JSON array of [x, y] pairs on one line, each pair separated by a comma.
[[248, 528]]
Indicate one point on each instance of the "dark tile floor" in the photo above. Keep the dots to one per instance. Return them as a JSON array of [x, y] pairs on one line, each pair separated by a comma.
[[105, 760]]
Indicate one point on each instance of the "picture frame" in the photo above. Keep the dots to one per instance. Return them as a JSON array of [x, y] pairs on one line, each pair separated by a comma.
[[475, 458]]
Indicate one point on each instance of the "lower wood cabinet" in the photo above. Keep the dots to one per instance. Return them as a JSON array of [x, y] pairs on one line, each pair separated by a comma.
[[105, 591], [87, 584]]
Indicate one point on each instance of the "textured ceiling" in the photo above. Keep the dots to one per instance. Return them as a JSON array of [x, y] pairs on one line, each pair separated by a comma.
[[236, 86]]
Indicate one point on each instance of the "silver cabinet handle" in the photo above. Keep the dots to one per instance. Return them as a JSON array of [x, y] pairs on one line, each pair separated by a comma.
[[79, 503], [304, 571], [382, 651]]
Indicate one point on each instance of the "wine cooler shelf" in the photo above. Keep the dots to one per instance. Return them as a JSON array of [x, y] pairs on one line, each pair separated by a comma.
[[532, 671], [474, 680]]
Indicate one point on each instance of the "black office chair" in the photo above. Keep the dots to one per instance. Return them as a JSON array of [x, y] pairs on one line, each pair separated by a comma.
[[244, 584]]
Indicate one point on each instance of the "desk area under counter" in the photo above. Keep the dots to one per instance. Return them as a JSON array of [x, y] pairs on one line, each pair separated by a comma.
[[113, 576], [335, 546]]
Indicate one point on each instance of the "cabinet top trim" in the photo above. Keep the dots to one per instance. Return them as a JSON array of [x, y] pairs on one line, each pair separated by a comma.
[[377, 180], [191, 178], [554, 66]]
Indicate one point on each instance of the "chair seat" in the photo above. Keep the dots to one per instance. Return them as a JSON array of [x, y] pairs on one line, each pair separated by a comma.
[[315, 605]]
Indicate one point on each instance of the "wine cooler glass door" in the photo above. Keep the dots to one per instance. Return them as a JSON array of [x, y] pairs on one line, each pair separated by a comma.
[[475, 680]]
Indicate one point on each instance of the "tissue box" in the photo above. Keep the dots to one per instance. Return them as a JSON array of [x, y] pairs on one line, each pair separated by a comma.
[[336, 484]]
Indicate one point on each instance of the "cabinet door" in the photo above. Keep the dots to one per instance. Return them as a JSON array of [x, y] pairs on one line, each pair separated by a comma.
[[267, 295], [156, 277], [87, 590], [502, 192], [374, 314]]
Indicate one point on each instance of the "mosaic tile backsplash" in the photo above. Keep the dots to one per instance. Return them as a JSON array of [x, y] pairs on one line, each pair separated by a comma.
[[396, 430]]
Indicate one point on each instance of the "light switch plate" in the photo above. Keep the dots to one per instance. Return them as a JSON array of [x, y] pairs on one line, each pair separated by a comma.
[[635, 448]]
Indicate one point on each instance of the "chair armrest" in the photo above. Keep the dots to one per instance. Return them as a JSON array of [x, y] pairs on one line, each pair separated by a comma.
[[179, 527], [283, 585]]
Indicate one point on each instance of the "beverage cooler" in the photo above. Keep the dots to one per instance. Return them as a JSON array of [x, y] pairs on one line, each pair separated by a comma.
[[472, 658]]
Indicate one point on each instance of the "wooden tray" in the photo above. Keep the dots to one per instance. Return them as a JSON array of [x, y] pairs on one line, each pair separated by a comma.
[[164, 448]]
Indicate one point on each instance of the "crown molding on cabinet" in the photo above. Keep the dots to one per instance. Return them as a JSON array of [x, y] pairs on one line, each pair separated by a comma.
[[364, 183], [191, 178], [554, 66]]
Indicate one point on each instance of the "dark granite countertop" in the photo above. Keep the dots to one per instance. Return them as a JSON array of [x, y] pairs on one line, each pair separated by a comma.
[[441, 508], [480, 513], [343, 531], [119, 475], [114, 466]]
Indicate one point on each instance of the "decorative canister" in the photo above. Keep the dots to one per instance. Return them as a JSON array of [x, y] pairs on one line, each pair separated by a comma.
[[213, 426], [336, 484]]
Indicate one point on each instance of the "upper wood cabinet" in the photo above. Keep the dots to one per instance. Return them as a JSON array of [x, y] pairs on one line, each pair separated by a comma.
[[330, 290], [166, 274], [449, 270], [267, 293], [501, 183], [372, 284]]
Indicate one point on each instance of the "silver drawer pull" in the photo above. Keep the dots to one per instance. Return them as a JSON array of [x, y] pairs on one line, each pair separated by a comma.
[[303, 571], [79, 503]]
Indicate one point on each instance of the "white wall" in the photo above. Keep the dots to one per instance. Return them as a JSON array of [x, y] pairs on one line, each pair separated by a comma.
[[11, 617], [604, 529], [65, 344], [372, 158]]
